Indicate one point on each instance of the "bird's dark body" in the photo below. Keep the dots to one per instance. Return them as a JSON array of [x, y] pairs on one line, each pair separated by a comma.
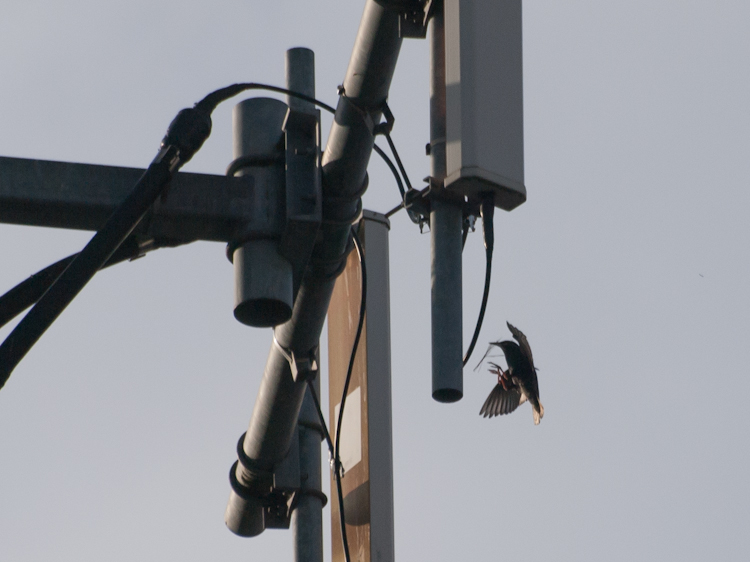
[[516, 385]]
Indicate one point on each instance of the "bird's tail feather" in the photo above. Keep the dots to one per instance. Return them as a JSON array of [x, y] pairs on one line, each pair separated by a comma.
[[538, 413]]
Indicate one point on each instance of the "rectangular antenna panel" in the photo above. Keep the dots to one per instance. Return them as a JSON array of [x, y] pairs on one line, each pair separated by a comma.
[[484, 99]]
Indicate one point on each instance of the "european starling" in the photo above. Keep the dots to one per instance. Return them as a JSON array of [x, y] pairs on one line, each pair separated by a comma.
[[518, 383]]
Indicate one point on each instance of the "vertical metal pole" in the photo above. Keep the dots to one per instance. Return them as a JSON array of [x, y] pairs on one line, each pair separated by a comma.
[[445, 233], [300, 77], [307, 517]]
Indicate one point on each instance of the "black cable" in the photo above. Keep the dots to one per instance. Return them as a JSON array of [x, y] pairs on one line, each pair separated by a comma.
[[335, 465], [387, 136], [322, 419], [237, 88], [31, 289], [186, 134], [334, 449], [257, 86], [413, 215], [215, 98], [394, 171], [488, 232], [85, 265], [337, 448], [210, 101]]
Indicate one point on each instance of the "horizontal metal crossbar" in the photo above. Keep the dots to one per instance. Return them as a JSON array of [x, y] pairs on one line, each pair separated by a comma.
[[83, 196]]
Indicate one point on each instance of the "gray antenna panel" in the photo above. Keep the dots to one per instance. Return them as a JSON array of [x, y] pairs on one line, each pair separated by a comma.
[[484, 99]]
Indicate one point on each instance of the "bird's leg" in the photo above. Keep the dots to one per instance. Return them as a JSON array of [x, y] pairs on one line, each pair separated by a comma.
[[503, 379]]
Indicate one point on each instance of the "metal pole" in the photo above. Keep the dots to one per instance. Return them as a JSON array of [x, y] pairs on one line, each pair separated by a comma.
[[446, 218], [307, 517]]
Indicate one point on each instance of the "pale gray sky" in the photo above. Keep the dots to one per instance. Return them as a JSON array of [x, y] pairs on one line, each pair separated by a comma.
[[627, 269]]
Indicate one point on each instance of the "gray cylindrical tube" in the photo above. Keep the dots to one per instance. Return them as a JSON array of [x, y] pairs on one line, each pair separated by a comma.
[[300, 76], [263, 289], [445, 235], [447, 336], [263, 278], [245, 515]]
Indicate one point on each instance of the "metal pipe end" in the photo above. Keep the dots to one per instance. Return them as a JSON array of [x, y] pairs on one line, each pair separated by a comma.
[[447, 395], [263, 285]]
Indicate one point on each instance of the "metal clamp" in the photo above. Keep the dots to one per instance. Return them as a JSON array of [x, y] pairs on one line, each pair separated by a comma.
[[312, 492], [303, 368]]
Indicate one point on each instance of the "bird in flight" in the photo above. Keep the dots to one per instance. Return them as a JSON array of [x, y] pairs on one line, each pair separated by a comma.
[[516, 384]]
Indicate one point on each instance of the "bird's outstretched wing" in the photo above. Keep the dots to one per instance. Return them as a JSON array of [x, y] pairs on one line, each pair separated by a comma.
[[522, 342], [500, 402]]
